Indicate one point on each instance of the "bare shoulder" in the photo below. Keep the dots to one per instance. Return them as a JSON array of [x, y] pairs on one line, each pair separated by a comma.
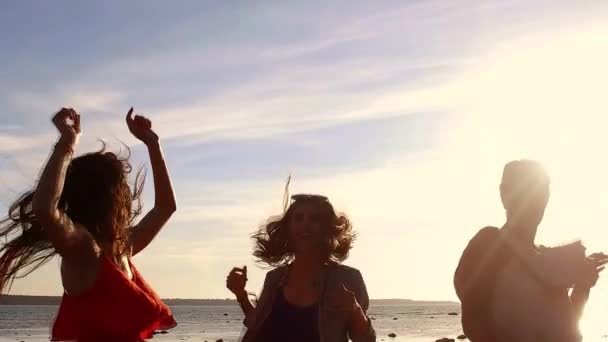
[[83, 248], [79, 268]]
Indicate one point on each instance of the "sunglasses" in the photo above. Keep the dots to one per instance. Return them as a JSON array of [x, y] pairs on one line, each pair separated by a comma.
[[302, 197], [308, 197]]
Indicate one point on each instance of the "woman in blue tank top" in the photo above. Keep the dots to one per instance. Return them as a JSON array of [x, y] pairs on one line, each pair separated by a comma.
[[308, 296]]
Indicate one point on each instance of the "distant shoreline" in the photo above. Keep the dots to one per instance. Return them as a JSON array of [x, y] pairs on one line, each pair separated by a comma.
[[55, 300]]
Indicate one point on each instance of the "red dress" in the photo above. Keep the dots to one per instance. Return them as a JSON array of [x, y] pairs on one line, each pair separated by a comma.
[[114, 309]]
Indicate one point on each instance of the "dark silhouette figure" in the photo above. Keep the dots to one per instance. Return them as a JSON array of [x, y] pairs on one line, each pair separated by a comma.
[[84, 210], [308, 296], [510, 288]]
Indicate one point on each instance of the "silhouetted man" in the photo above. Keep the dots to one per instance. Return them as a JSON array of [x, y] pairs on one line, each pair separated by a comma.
[[514, 290]]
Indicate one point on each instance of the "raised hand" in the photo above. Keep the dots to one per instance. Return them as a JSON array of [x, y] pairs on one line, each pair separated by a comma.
[[236, 281], [343, 299], [599, 256], [595, 264], [141, 128], [67, 122]]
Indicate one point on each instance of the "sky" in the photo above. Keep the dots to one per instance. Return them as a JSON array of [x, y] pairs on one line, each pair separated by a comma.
[[403, 113]]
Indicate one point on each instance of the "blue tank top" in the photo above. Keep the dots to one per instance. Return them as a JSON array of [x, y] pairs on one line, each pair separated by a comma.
[[288, 322]]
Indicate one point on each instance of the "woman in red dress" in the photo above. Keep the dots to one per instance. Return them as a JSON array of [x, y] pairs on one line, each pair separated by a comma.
[[84, 210]]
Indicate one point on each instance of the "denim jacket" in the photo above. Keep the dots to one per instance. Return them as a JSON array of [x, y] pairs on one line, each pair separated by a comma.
[[333, 325]]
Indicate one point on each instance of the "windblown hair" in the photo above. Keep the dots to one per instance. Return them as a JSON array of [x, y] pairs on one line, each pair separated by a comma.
[[272, 245], [96, 195]]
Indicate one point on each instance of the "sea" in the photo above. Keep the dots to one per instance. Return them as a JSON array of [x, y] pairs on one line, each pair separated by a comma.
[[409, 322], [415, 322]]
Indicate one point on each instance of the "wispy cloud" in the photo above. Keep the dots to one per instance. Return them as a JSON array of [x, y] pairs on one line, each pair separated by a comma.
[[45, 101], [402, 113]]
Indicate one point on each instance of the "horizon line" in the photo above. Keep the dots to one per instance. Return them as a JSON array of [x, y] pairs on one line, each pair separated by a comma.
[[231, 299]]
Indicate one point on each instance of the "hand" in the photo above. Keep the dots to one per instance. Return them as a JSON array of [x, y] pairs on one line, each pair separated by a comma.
[[590, 274], [598, 261], [599, 256], [67, 122], [141, 128], [344, 300], [236, 280]]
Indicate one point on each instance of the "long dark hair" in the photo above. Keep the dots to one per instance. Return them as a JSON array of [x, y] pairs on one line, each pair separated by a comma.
[[96, 195], [272, 239]]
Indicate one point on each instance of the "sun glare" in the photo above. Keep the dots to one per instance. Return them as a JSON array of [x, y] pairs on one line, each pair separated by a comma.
[[543, 98]]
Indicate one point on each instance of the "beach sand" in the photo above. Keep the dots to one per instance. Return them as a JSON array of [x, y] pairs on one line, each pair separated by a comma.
[[202, 337]]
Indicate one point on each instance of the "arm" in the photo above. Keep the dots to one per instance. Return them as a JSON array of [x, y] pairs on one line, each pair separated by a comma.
[[267, 290], [479, 254], [360, 327], [245, 304], [164, 198], [562, 267], [235, 282], [164, 202], [589, 277], [61, 231], [578, 300]]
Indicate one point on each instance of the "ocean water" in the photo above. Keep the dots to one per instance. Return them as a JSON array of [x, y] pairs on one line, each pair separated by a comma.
[[411, 322]]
